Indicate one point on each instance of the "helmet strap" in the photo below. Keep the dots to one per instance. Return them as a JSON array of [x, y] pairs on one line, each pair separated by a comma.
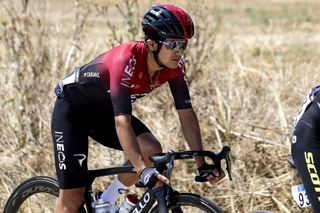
[[155, 54]]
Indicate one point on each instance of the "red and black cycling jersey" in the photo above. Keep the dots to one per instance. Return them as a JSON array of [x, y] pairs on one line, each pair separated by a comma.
[[118, 77]]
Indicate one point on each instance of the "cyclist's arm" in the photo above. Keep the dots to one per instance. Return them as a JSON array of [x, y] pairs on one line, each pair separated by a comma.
[[191, 131], [120, 82], [188, 119]]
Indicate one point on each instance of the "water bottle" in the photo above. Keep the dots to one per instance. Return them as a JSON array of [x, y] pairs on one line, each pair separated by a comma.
[[129, 203], [101, 206]]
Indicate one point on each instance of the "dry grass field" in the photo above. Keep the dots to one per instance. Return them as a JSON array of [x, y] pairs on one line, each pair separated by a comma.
[[249, 66]]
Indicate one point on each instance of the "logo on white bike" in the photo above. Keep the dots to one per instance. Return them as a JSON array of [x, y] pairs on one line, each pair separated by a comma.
[[143, 202], [121, 191], [146, 178], [81, 159]]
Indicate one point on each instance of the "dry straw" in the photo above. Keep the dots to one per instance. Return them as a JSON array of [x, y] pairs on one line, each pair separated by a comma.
[[249, 66]]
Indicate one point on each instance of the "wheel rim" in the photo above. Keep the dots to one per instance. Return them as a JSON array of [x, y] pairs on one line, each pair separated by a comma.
[[40, 202]]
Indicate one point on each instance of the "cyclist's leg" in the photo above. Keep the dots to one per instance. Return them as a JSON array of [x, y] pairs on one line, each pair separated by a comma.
[[306, 153], [148, 145], [70, 143], [105, 133], [69, 200]]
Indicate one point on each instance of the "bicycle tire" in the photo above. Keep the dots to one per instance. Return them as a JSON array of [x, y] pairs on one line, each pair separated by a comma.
[[199, 204], [35, 186]]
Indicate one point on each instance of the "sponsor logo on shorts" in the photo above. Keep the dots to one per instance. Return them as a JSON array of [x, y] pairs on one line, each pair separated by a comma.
[[60, 150], [80, 158]]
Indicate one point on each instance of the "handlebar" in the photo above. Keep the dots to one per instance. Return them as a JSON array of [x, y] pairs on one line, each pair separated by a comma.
[[164, 163], [161, 159]]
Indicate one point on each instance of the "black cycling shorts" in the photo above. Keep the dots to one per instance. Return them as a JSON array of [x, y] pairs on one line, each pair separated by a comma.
[[70, 129], [306, 151]]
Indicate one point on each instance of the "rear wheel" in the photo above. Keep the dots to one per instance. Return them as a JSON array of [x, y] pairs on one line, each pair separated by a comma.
[[36, 194], [190, 203]]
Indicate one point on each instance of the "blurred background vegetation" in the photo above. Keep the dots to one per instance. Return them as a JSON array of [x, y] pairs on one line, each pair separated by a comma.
[[249, 66]]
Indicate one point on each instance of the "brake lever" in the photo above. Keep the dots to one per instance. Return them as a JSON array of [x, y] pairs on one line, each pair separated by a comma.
[[228, 163]]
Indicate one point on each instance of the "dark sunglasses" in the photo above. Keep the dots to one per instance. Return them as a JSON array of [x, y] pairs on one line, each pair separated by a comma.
[[175, 45]]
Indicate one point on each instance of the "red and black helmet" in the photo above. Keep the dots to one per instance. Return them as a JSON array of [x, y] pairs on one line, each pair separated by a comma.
[[167, 21]]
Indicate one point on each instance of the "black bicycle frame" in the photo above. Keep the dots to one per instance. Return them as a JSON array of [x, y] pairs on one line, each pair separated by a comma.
[[93, 174], [148, 199], [145, 202], [163, 162]]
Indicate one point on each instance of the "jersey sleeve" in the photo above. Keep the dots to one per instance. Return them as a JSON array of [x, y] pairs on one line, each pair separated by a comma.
[[120, 97], [179, 89], [121, 71]]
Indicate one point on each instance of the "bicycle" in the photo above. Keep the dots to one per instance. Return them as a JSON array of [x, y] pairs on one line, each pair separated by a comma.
[[165, 198], [298, 192]]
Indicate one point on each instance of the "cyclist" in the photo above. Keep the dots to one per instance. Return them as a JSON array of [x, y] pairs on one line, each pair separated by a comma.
[[306, 146], [95, 101]]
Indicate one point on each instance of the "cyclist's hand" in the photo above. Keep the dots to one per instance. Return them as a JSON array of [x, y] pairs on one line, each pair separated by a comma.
[[217, 176], [209, 173], [149, 177]]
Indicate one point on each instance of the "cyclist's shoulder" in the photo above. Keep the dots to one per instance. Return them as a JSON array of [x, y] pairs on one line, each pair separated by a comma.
[[130, 47], [128, 50]]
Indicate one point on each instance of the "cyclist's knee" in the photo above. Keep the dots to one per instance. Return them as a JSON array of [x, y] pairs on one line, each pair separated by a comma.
[[70, 200], [149, 144], [154, 147]]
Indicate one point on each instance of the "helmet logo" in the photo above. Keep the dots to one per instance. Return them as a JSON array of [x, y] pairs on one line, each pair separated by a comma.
[[156, 13]]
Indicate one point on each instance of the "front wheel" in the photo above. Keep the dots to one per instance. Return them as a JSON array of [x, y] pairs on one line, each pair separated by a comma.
[[36, 194], [190, 203]]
